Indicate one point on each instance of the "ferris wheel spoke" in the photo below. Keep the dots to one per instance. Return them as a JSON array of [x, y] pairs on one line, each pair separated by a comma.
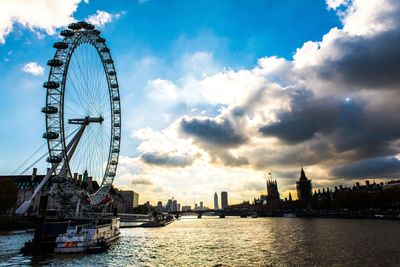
[[84, 84], [76, 90]]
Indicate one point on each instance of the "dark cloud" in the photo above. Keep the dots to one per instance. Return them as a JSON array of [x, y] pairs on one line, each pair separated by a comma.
[[342, 126], [307, 117], [214, 132], [364, 62], [312, 152], [141, 181], [370, 168], [232, 161], [167, 160]]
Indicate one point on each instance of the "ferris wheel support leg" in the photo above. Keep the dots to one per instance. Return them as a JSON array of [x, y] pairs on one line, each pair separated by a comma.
[[72, 147], [25, 206]]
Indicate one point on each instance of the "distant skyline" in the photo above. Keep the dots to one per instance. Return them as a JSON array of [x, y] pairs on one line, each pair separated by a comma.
[[215, 94]]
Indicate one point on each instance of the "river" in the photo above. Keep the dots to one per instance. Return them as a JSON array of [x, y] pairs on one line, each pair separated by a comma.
[[236, 242]]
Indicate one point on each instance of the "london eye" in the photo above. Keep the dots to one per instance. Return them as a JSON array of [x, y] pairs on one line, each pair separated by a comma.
[[83, 117]]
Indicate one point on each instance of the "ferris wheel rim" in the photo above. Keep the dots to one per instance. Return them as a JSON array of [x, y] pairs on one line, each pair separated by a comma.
[[78, 34]]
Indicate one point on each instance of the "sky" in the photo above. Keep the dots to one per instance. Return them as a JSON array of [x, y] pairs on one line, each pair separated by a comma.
[[216, 94]]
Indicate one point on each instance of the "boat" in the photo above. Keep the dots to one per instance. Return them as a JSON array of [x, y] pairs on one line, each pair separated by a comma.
[[254, 215], [159, 220], [99, 247], [89, 237]]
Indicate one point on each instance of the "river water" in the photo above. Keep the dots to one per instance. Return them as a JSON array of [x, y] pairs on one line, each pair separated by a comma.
[[236, 242]]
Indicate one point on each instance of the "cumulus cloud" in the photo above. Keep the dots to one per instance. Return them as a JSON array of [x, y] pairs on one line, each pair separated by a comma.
[[44, 15], [334, 4], [167, 160], [33, 68], [233, 161], [141, 181], [165, 148], [333, 107], [100, 18], [218, 132], [370, 168]]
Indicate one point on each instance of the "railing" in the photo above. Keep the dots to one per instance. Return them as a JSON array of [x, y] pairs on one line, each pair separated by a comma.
[[124, 217]]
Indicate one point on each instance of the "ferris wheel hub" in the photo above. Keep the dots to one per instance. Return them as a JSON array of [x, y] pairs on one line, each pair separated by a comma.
[[86, 120]]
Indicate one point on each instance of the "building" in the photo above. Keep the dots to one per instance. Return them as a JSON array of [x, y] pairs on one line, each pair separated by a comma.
[[171, 206], [160, 206], [273, 197], [174, 205], [168, 206], [216, 207], [224, 199], [26, 185], [131, 199], [186, 208], [201, 205], [178, 207], [304, 189]]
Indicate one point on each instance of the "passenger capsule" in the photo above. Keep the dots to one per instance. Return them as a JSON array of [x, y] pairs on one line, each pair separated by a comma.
[[67, 33], [115, 150], [114, 162], [100, 40], [74, 26], [114, 85], [51, 85], [89, 26], [55, 63], [105, 50], [83, 24], [60, 45], [49, 110], [53, 159], [50, 135], [112, 73], [115, 98], [110, 173], [116, 137], [96, 32], [117, 124], [117, 111], [108, 61]]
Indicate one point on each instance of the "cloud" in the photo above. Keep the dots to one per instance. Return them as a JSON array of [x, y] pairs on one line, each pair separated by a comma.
[[370, 168], [333, 108], [218, 132], [167, 160], [141, 181], [36, 15], [361, 55], [233, 161], [33, 68], [334, 4], [100, 18]]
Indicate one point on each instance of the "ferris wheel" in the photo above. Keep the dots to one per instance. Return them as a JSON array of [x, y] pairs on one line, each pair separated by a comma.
[[83, 115]]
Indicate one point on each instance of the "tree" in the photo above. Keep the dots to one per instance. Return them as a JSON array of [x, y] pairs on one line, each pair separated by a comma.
[[8, 194]]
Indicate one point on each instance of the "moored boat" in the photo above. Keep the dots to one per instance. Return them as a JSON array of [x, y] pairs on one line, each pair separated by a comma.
[[90, 237]]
